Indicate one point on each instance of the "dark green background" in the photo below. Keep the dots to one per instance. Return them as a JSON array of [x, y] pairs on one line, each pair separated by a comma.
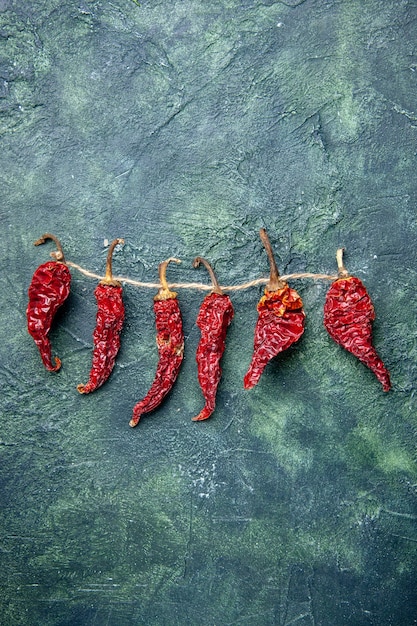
[[184, 126]]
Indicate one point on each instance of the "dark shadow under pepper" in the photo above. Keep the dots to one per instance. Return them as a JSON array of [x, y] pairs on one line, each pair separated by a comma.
[[214, 317], [280, 322], [48, 290], [170, 342], [348, 317], [109, 324]]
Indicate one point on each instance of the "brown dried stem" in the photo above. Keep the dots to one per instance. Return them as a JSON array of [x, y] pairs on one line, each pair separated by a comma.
[[58, 255], [108, 279], [164, 292], [274, 282], [216, 287], [341, 269]]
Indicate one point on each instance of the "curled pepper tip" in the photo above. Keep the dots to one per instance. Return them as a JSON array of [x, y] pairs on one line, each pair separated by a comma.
[[57, 365], [202, 416], [216, 286], [58, 254]]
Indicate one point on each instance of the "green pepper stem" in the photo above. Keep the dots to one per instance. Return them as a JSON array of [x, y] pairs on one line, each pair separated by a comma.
[[216, 286], [341, 269], [58, 255], [108, 278], [275, 282], [164, 292]]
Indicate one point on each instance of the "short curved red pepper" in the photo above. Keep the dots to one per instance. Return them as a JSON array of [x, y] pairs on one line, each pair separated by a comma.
[[348, 317], [48, 290]]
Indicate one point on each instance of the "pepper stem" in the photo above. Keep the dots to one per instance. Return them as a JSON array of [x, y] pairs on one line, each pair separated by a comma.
[[216, 286], [164, 292], [108, 279], [275, 282], [341, 269], [58, 254]]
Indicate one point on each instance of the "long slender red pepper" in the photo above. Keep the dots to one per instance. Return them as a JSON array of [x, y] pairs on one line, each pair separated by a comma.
[[170, 342], [214, 317], [280, 321], [348, 317], [109, 324], [49, 288]]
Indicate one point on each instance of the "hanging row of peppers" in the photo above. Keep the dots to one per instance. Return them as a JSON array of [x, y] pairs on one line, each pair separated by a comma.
[[348, 316]]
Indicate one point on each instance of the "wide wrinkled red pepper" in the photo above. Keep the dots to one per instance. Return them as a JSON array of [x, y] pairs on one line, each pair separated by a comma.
[[348, 317], [170, 342], [109, 324], [280, 321], [214, 317], [49, 289]]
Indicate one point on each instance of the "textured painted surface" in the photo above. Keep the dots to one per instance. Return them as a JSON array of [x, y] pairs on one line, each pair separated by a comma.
[[184, 127]]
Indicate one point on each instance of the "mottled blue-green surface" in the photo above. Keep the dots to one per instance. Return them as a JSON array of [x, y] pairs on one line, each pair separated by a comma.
[[183, 127]]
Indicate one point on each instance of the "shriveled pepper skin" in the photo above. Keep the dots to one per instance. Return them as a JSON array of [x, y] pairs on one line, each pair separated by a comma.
[[280, 324], [48, 290], [216, 313], [170, 342], [348, 317], [106, 335]]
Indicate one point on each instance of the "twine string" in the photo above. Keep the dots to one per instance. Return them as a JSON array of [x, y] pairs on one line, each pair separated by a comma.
[[202, 286]]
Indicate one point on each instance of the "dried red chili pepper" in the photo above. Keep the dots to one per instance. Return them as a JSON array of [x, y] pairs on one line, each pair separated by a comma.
[[109, 324], [280, 322], [170, 342], [348, 317], [49, 288], [215, 314]]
